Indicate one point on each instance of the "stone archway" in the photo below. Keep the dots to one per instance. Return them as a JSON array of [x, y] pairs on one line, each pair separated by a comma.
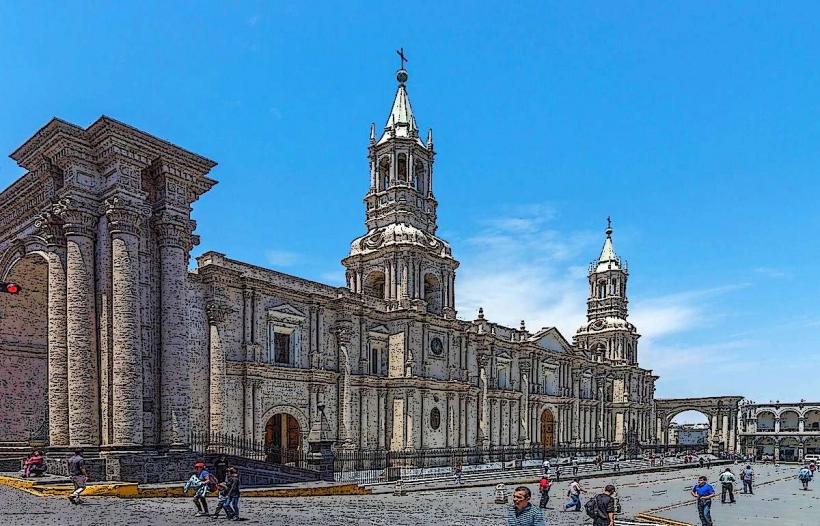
[[284, 430], [24, 349], [547, 433], [722, 412]]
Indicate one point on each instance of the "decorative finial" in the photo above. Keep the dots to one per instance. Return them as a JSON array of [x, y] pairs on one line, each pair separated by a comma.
[[401, 74], [372, 132], [481, 313], [430, 138], [523, 326], [608, 226]]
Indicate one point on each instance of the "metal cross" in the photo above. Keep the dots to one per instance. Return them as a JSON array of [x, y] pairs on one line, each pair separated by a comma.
[[608, 222], [400, 53]]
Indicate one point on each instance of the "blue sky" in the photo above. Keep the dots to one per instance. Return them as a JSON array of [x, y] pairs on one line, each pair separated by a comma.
[[693, 124]]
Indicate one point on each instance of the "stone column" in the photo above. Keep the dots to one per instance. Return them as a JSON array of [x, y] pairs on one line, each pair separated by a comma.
[[343, 335], [451, 420], [175, 385], [50, 228], [247, 417], [217, 313], [576, 408], [382, 397], [495, 422], [483, 406], [523, 417], [81, 334], [126, 377]]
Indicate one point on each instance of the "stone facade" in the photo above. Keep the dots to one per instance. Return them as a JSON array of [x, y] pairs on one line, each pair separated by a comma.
[[139, 351], [785, 430]]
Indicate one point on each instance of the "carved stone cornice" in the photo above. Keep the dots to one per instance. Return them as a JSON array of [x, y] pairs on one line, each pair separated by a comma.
[[343, 332], [173, 234], [217, 312], [78, 220], [123, 218], [50, 227]]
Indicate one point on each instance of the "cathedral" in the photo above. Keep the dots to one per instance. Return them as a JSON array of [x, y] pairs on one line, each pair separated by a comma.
[[114, 344]]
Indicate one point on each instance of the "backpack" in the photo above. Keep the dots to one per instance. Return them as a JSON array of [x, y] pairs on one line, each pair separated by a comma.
[[593, 509], [212, 482]]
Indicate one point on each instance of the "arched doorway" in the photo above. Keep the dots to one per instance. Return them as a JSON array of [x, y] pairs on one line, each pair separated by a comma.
[[283, 438], [547, 429], [24, 353]]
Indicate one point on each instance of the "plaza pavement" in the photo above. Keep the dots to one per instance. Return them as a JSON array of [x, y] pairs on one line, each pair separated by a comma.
[[775, 504]]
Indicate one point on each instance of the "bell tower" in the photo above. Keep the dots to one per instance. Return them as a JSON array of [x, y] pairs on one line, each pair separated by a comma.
[[400, 259], [607, 333]]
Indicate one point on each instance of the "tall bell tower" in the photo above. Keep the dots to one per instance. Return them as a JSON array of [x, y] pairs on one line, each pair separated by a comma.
[[607, 334], [400, 259]]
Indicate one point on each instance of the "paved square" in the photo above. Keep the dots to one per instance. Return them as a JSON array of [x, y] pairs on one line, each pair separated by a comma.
[[777, 502]]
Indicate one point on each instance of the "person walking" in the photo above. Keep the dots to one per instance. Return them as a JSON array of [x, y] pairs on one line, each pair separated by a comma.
[[458, 472], [544, 486], [617, 464], [701, 462], [805, 477], [522, 512], [601, 507], [574, 494], [704, 492], [727, 486], [220, 468], [557, 473], [78, 474], [199, 481], [233, 491], [574, 466], [747, 475], [546, 466], [223, 502]]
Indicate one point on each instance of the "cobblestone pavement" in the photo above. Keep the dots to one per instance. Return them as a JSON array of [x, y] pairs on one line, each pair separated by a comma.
[[452, 507]]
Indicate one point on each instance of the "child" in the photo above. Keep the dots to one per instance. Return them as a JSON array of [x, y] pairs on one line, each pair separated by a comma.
[[233, 491], [224, 501]]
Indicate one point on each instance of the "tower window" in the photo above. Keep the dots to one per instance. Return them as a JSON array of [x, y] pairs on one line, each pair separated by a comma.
[[601, 289], [384, 172], [418, 177], [374, 284], [432, 293], [402, 167]]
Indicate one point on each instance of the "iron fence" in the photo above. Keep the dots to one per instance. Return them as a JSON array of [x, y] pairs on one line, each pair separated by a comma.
[[223, 444]]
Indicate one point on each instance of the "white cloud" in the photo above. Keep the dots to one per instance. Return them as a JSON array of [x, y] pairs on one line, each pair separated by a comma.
[[282, 258], [771, 272]]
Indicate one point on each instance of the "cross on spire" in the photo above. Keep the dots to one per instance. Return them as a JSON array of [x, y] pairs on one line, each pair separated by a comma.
[[400, 53]]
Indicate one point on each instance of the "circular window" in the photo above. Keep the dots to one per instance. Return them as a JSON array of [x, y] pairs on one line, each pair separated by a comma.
[[436, 347], [435, 418]]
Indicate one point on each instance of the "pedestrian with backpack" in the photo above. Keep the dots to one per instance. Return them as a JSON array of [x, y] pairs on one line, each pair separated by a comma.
[[601, 507], [805, 476]]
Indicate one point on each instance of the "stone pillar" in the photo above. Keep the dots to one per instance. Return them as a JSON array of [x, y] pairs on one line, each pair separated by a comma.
[[471, 418], [50, 228], [343, 335], [483, 405], [81, 334], [523, 416], [175, 385], [495, 422], [451, 420], [364, 417], [126, 378], [777, 424], [247, 417], [801, 424], [576, 408], [217, 313], [382, 397]]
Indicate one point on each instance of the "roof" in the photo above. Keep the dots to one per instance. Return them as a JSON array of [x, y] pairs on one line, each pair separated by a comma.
[[401, 122]]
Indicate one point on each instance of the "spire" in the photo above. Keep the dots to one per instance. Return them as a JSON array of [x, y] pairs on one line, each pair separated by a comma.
[[608, 259], [400, 122]]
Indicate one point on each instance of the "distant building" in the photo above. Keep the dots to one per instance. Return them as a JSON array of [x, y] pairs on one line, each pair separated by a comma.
[[788, 430]]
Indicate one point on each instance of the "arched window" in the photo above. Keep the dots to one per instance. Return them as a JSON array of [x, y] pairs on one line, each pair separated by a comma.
[[601, 289], [374, 284], [432, 293], [419, 177], [384, 172], [402, 166]]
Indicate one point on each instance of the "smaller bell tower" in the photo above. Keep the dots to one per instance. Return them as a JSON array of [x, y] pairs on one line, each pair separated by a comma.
[[400, 259], [607, 334]]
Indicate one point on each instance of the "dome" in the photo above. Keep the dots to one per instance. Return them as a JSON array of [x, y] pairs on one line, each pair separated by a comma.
[[399, 234]]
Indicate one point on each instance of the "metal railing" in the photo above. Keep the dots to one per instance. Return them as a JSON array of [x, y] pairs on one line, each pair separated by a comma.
[[223, 444]]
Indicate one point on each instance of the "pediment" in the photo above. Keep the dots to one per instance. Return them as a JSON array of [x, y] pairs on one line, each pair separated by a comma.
[[379, 330], [286, 311], [504, 357], [551, 340]]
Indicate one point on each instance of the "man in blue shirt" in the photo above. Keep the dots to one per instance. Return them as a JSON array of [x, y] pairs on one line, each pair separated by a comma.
[[704, 492]]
